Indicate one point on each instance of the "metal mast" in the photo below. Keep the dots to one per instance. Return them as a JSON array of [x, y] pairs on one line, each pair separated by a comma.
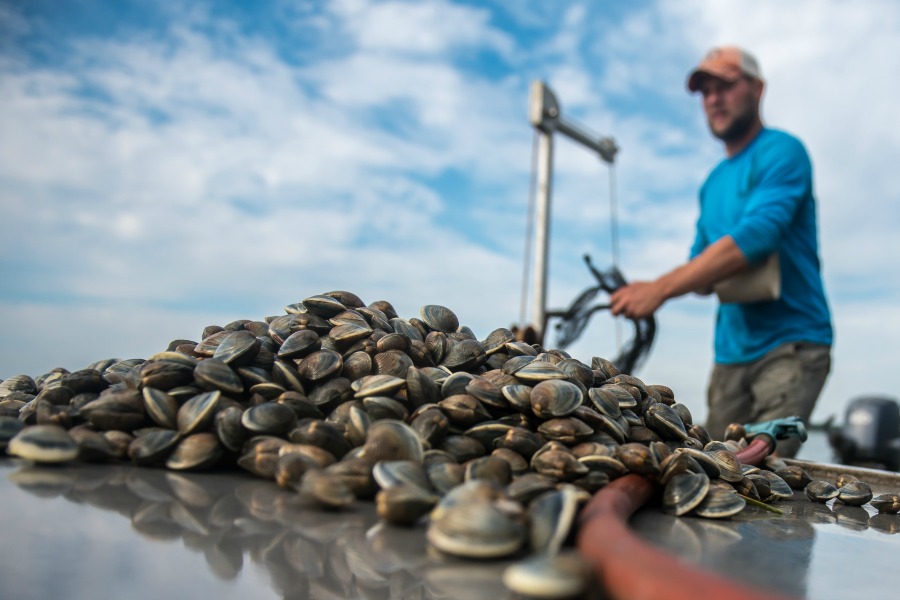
[[544, 115]]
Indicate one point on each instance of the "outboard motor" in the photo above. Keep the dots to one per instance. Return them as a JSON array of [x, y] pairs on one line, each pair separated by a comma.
[[871, 434]]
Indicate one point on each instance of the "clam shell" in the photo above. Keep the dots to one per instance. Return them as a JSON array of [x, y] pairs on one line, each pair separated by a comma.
[[720, 503], [195, 452], [555, 398], [821, 491], [215, 374], [563, 575], [685, 492], [887, 503], [404, 504], [269, 418], [43, 444], [198, 413], [392, 440], [855, 493], [439, 318], [153, 447]]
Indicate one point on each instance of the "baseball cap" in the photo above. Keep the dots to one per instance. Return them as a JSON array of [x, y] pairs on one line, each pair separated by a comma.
[[725, 62]]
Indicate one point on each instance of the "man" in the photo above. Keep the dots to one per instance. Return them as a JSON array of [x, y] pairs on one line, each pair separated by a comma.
[[771, 356]]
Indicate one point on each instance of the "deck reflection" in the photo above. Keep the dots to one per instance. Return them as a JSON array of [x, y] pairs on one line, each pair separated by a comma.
[[234, 520]]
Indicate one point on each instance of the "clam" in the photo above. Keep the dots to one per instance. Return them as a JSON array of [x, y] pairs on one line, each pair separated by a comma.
[[462, 447], [521, 440], [322, 434], [605, 402], [323, 305], [489, 468], [43, 444], [153, 447], [356, 473], [821, 491], [518, 464], [539, 370], [465, 355], [495, 340], [795, 476], [326, 488], [720, 503], [608, 465], [487, 432], [487, 392], [198, 413], [464, 410], [269, 418], [228, 428], [161, 407], [393, 473], [638, 458], [194, 452], [237, 348], [260, 455], [215, 374], [855, 493], [377, 385], [779, 488], [562, 575], [557, 461], [886, 503], [291, 467], [160, 374], [92, 445], [551, 516], [299, 344], [404, 504], [445, 476], [684, 492], [665, 421], [555, 398], [568, 430], [391, 440], [320, 365], [115, 409], [518, 396], [475, 529], [728, 463], [439, 318], [392, 362]]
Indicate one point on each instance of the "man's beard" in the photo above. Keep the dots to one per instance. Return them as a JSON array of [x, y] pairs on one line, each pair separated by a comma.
[[735, 132]]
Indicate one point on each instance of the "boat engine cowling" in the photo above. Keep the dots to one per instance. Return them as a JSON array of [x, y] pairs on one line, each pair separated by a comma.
[[870, 435]]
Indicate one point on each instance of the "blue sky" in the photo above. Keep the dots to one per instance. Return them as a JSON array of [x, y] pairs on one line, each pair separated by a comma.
[[166, 166]]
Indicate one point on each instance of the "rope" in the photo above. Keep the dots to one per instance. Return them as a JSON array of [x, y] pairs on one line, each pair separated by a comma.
[[529, 227]]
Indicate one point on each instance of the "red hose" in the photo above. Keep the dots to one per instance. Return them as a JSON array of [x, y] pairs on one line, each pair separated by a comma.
[[629, 568]]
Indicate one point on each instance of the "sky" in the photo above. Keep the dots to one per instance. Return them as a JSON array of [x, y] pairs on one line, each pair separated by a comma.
[[168, 166]]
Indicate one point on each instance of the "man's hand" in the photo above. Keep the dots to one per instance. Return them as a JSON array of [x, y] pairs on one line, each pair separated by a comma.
[[637, 300]]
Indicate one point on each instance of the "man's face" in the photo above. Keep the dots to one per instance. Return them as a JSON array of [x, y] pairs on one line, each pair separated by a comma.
[[732, 107]]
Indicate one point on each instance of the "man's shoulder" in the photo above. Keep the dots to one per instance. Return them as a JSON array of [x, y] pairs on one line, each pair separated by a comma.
[[779, 142]]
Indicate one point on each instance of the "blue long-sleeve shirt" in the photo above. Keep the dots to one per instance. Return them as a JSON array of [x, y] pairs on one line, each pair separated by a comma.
[[763, 198]]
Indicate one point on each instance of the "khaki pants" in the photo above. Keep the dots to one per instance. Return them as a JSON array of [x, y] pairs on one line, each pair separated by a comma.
[[783, 383]]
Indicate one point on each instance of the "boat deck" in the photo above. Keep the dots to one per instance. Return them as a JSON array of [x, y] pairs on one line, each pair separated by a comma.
[[104, 531]]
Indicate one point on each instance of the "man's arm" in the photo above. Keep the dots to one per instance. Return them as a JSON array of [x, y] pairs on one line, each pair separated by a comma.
[[718, 261]]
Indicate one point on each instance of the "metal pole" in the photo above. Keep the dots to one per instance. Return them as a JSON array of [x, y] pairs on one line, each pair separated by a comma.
[[542, 231]]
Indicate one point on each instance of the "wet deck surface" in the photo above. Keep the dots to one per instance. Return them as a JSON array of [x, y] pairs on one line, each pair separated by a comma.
[[820, 551], [100, 531], [93, 532]]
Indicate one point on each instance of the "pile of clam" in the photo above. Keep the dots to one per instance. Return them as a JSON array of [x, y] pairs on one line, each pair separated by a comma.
[[497, 441]]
